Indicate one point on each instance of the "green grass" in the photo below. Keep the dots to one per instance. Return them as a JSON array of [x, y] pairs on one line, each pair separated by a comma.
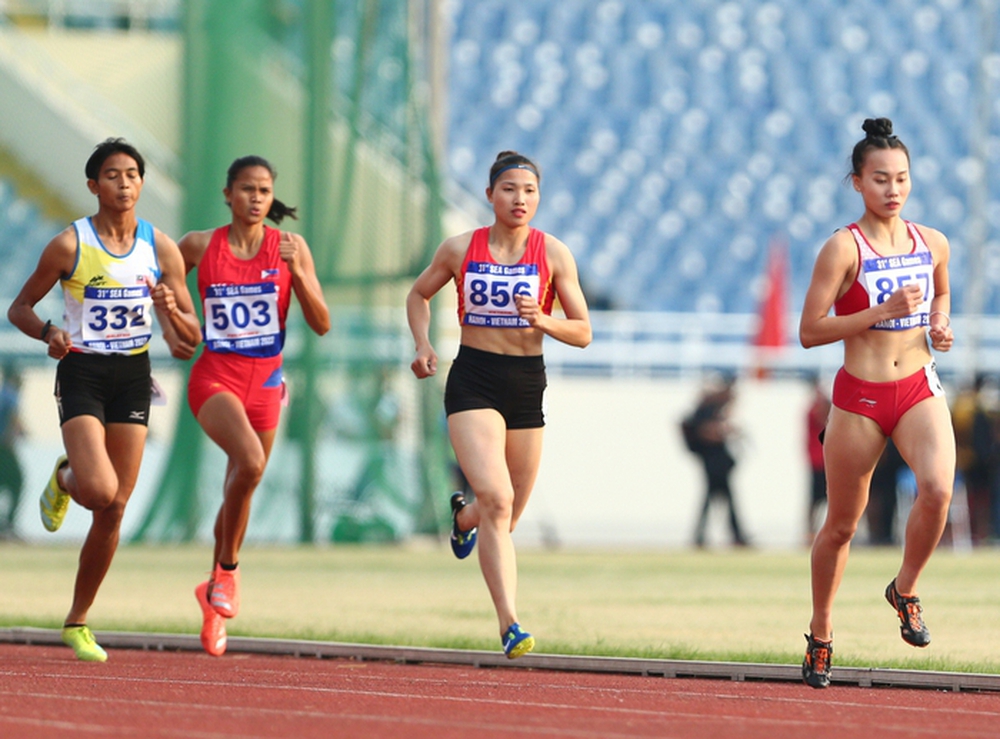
[[740, 606]]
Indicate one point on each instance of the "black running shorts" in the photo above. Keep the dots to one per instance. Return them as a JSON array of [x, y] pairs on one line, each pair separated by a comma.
[[116, 388], [511, 385]]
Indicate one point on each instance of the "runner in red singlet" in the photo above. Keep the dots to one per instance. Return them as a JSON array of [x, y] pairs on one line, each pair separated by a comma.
[[246, 275], [886, 280], [507, 276]]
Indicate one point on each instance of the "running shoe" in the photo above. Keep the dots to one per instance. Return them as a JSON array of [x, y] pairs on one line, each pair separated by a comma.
[[816, 665], [81, 639], [462, 542], [911, 621], [517, 642], [213, 626], [55, 500], [225, 592]]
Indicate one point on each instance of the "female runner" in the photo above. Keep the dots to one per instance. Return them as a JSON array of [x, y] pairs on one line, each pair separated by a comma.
[[246, 275], [886, 280], [507, 276]]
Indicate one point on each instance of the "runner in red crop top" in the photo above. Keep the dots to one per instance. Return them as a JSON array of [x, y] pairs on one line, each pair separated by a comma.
[[246, 275], [881, 287], [486, 288], [508, 276]]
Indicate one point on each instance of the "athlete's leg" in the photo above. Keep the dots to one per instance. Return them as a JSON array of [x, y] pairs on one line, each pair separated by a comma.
[[479, 439], [926, 441], [524, 456], [90, 477], [122, 451], [851, 448], [224, 419]]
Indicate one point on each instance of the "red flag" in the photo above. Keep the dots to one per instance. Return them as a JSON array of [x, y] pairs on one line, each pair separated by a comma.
[[771, 328]]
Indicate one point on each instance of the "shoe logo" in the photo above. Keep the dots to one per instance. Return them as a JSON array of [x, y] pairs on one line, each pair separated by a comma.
[[869, 402], [137, 415]]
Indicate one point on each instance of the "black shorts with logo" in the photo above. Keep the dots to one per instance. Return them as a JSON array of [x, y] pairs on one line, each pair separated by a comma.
[[116, 388], [511, 385]]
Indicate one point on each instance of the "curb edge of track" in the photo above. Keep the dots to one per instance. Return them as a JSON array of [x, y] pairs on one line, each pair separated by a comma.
[[864, 677]]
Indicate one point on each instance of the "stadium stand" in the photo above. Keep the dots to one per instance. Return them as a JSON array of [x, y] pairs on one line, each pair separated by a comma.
[[679, 141]]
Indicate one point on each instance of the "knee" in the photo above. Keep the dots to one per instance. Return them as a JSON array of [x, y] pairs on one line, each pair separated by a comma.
[[250, 468], [839, 533], [95, 493], [109, 517], [495, 505], [935, 494]]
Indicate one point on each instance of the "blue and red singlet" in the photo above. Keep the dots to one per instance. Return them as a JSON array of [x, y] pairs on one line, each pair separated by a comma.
[[487, 288]]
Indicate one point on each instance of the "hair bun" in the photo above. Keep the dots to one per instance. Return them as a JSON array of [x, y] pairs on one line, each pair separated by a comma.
[[877, 128]]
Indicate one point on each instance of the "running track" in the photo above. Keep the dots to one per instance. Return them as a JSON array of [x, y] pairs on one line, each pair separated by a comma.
[[45, 692]]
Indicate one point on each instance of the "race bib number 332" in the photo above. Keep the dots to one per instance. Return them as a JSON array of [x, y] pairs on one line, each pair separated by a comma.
[[116, 318]]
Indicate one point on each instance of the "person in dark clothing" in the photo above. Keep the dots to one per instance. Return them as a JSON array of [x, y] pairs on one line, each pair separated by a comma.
[[708, 433]]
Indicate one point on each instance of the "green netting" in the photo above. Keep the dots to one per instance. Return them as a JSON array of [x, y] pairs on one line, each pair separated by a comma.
[[335, 96]]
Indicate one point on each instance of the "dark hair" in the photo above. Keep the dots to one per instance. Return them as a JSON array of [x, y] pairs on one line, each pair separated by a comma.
[[512, 160], [105, 149], [878, 135], [279, 211]]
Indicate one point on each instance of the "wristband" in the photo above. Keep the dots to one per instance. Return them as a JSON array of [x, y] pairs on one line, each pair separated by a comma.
[[940, 313], [45, 330]]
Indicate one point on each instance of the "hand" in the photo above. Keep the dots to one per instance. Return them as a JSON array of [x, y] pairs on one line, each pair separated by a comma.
[[162, 295], [425, 364], [59, 343], [941, 337], [903, 302], [528, 308], [288, 249]]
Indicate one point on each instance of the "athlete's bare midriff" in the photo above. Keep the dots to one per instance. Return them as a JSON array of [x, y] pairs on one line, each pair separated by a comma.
[[515, 342], [886, 356]]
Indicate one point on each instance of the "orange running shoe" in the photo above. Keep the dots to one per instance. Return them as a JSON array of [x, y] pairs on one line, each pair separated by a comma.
[[213, 627], [911, 620], [225, 592]]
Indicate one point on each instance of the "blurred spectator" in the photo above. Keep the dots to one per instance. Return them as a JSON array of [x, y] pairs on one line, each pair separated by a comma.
[[707, 433], [974, 416], [816, 417], [11, 428], [881, 510]]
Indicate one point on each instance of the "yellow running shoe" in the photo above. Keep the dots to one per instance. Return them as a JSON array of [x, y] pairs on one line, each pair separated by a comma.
[[81, 639], [213, 626], [55, 500]]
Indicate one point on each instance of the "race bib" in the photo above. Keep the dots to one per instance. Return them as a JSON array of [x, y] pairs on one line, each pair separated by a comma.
[[489, 291], [884, 275], [116, 318], [243, 319]]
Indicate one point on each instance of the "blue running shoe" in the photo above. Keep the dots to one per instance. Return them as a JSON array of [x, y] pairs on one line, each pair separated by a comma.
[[517, 642], [462, 542]]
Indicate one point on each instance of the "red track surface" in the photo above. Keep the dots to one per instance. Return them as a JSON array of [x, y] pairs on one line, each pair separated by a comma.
[[44, 692]]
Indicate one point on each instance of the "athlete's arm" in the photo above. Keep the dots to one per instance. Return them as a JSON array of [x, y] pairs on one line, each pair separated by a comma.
[[443, 267], [940, 332], [170, 294], [835, 268], [57, 261], [575, 329], [295, 252]]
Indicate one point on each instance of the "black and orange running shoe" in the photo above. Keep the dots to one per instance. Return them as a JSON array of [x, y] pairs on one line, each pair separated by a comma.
[[816, 665], [911, 620]]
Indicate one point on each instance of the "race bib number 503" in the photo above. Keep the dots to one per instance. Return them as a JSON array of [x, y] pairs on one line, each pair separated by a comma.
[[243, 319]]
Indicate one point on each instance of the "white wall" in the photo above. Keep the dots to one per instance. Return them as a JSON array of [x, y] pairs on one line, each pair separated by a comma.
[[615, 470]]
